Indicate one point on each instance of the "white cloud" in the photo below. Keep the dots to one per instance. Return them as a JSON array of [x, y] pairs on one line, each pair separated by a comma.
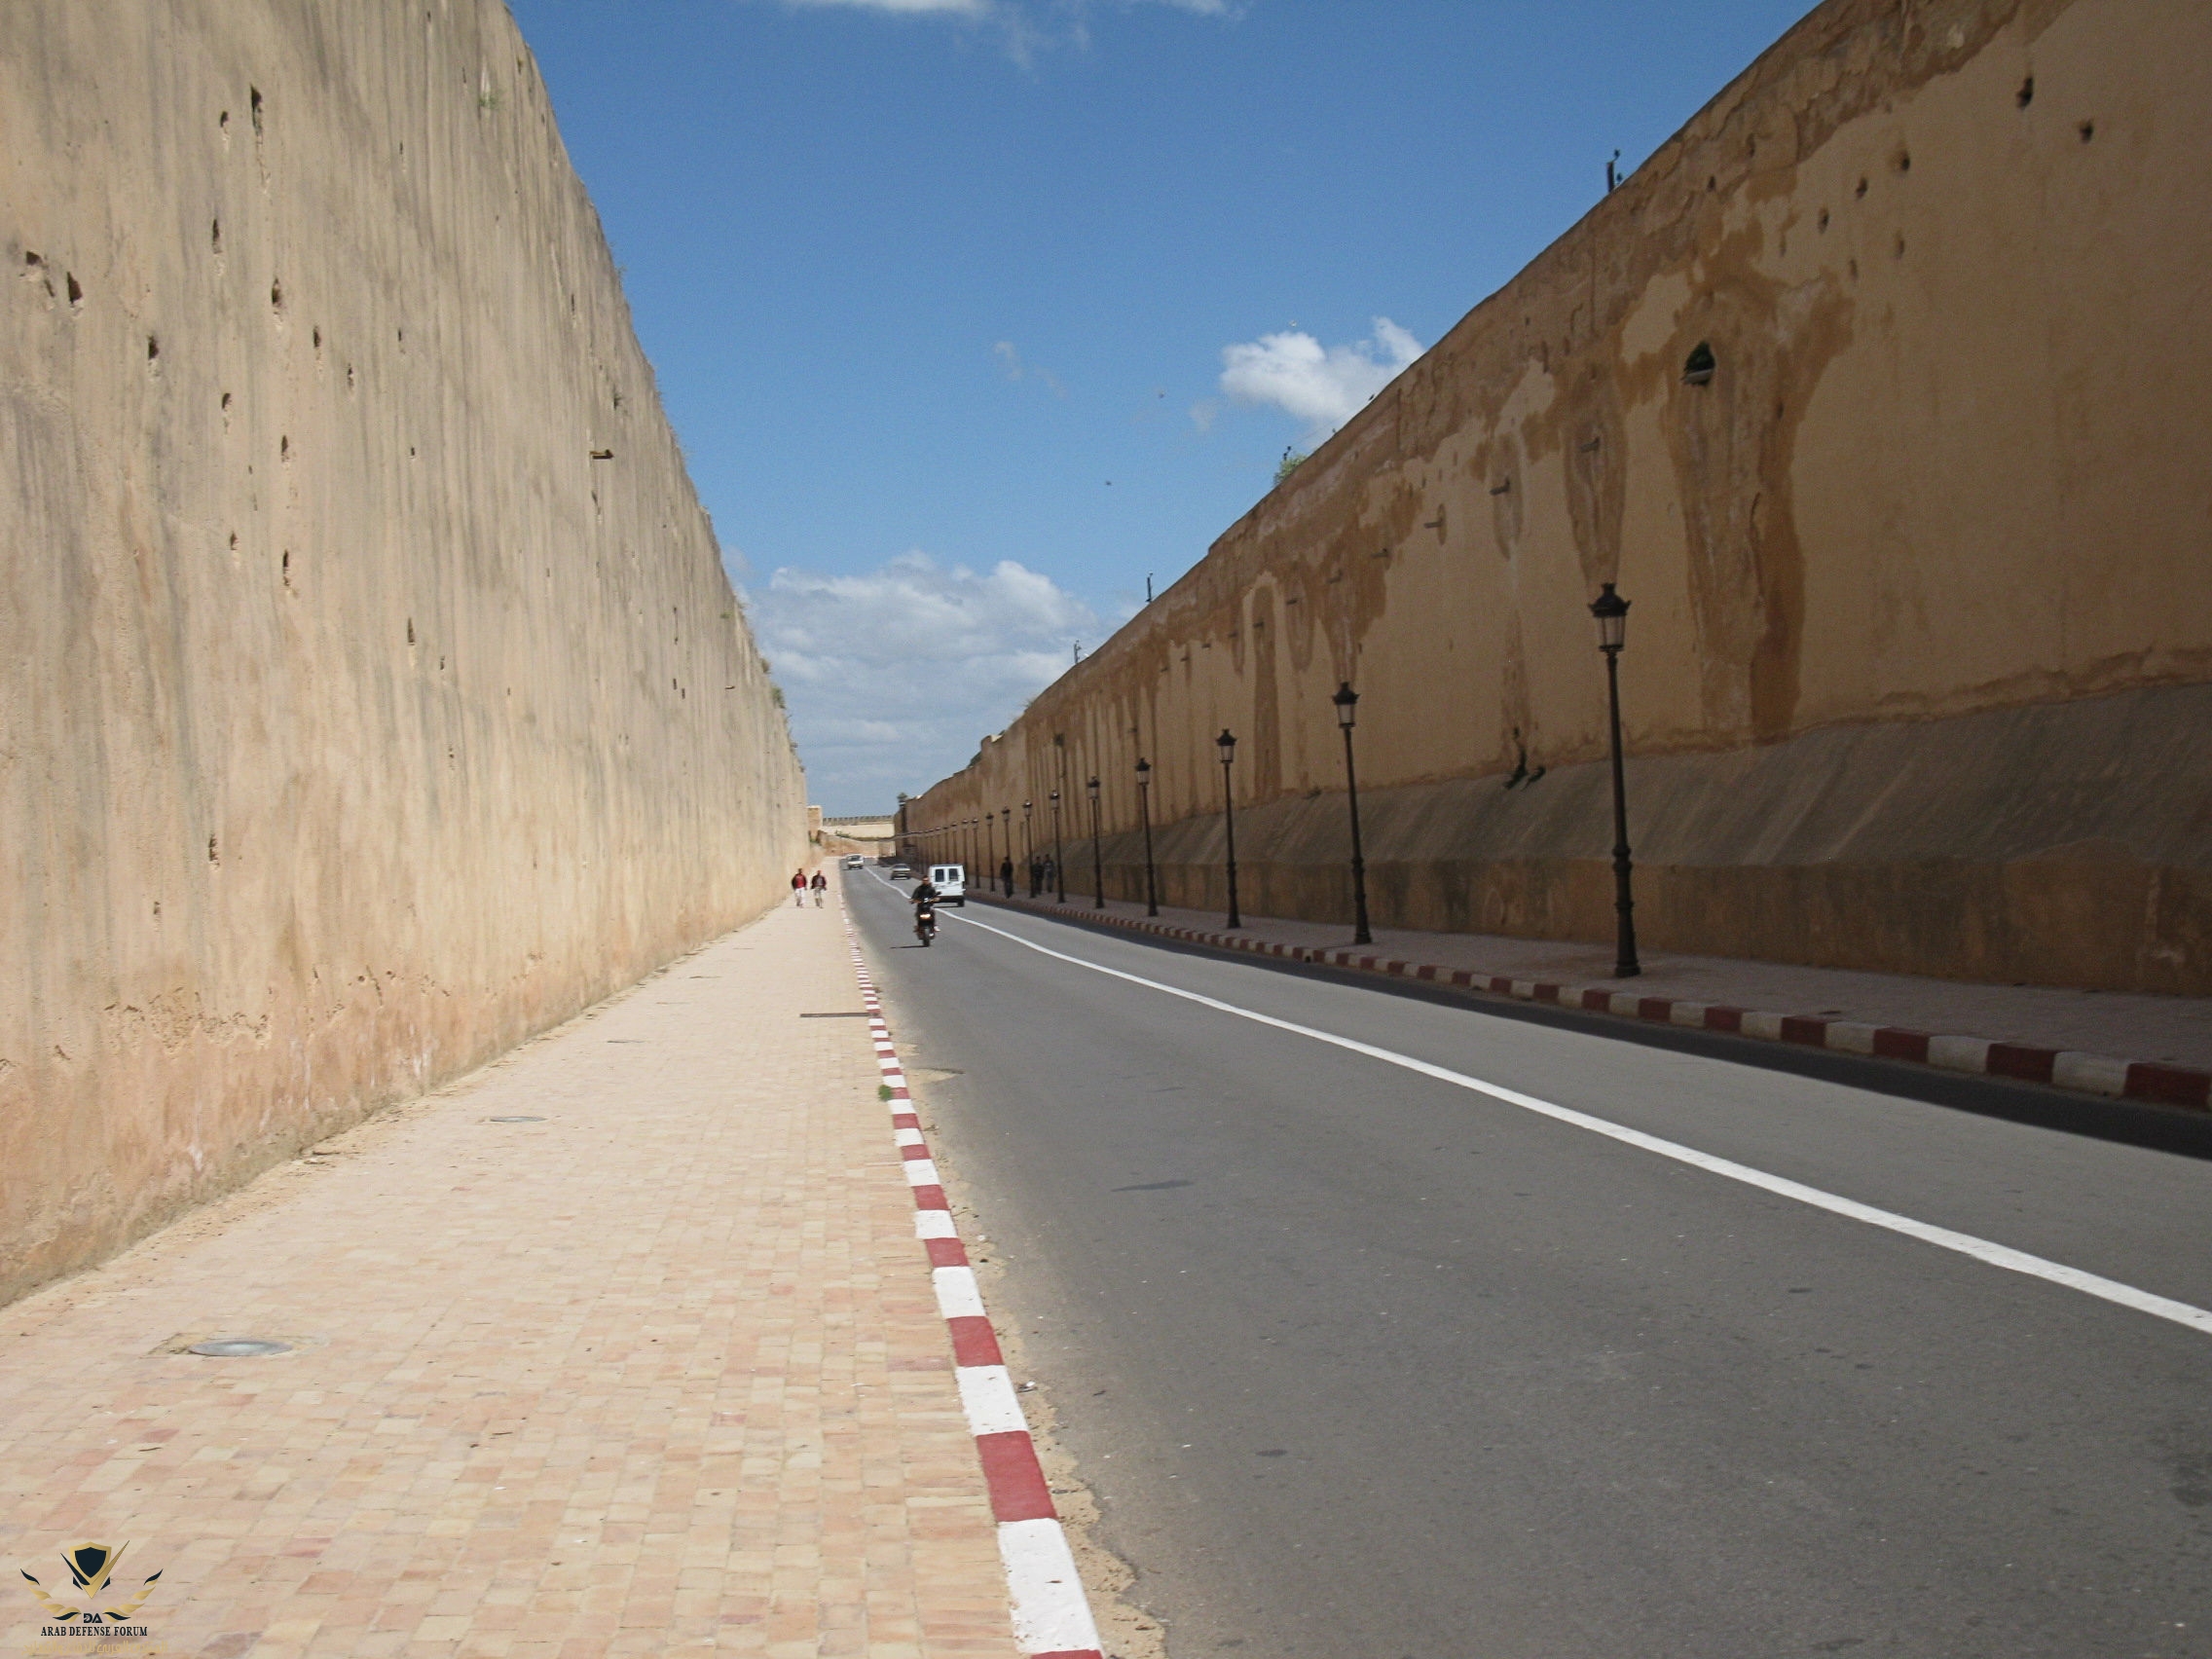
[[892, 677], [1323, 387], [907, 8], [1012, 368], [1027, 25]]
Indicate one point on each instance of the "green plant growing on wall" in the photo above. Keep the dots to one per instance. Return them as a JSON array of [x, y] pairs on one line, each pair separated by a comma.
[[1292, 460]]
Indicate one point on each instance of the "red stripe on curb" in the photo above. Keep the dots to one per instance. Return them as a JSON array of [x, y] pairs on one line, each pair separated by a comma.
[[1599, 1002], [1802, 1028], [930, 1198], [1011, 1470], [2015, 1060], [974, 1341], [1547, 994], [1894, 1043], [914, 1154], [1718, 1018], [2168, 1086], [1661, 1008], [946, 1252]]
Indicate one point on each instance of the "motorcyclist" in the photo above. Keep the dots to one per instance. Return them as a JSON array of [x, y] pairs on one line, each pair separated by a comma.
[[924, 897]]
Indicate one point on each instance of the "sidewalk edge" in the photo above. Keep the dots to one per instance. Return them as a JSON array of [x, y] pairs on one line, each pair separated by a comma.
[[1050, 1608], [2151, 1082]]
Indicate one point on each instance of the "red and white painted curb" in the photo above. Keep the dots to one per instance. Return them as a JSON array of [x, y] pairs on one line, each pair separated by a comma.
[[2149, 1081], [1052, 1613]]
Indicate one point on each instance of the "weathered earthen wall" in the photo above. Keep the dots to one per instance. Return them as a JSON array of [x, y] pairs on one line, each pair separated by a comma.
[[1916, 664], [356, 722]]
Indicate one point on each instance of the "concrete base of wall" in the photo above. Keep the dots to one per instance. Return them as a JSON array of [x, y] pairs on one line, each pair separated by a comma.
[[2064, 844]]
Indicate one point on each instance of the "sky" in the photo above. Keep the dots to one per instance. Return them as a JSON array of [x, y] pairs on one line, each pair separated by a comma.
[[973, 314]]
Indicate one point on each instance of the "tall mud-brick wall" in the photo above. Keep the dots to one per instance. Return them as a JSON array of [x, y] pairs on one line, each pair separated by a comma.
[[371, 692], [1882, 391]]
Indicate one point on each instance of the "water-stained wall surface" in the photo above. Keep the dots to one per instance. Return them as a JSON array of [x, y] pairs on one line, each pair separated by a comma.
[[1881, 391]]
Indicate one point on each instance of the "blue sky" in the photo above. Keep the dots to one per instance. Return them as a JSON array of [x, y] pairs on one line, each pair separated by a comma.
[[972, 313]]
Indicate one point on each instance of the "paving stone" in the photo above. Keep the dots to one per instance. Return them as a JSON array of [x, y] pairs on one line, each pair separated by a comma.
[[661, 1372]]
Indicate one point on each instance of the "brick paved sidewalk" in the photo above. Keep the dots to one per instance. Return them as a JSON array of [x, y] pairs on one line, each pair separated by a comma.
[[663, 1372], [2159, 1031]]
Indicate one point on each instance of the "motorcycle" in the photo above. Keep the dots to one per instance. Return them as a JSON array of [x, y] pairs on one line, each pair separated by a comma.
[[925, 923]]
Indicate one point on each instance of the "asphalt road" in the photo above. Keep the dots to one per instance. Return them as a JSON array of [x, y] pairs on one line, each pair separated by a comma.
[[1364, 1363]]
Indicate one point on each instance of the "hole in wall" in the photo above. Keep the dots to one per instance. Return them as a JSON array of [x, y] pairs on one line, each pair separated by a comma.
[[32, 259], [284, 448], [234, 542], [2026, 95], [410, 630], [1903, 161], [153, 348], [1899, 251], [226, 403], [349, 375], [223, 124], [76, 290], [1824, 218], [215, 234], [1861, 192], [276, 294], [253, 95], [1698, 366], [284, 568], [2087, 131], [213, 856], [316, 334]]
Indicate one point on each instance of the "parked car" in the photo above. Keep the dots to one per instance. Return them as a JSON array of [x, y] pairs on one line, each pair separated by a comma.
[[951, 883]]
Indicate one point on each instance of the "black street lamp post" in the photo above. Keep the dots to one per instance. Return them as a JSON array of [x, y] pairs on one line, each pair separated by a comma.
[[1029, 848], [1144, 813], [1097, 859], [1346, 700], [1059, 877], [1060, 864], [1611, 612], [1007, 813], [1227, 744]]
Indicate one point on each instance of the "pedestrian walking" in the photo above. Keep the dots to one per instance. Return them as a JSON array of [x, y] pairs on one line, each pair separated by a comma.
[[820, 884], [1006, 874], [798, 888], [1036, 875]]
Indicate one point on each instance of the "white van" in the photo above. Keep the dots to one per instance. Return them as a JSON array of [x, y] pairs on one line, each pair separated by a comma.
[[951, 883]]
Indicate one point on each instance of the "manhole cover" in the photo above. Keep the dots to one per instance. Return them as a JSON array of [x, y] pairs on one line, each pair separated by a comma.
[[515, 1119], [239, 1348]]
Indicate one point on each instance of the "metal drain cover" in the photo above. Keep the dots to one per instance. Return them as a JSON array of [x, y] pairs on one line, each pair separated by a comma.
[[514, 1120], [239, 1348]]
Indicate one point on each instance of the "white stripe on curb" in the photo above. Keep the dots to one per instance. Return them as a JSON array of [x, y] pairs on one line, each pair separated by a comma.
[[1040, 1571]]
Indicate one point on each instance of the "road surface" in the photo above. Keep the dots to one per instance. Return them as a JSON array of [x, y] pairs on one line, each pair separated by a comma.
[[1366, 1362]]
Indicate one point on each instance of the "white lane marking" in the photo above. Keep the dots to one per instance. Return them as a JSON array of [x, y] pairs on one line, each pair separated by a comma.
[[987, 1396], [1049, 1612], [1944, 1237], [957, 1296]]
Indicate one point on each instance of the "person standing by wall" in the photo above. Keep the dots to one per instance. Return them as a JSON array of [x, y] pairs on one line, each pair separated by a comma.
[[1006, 874]]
